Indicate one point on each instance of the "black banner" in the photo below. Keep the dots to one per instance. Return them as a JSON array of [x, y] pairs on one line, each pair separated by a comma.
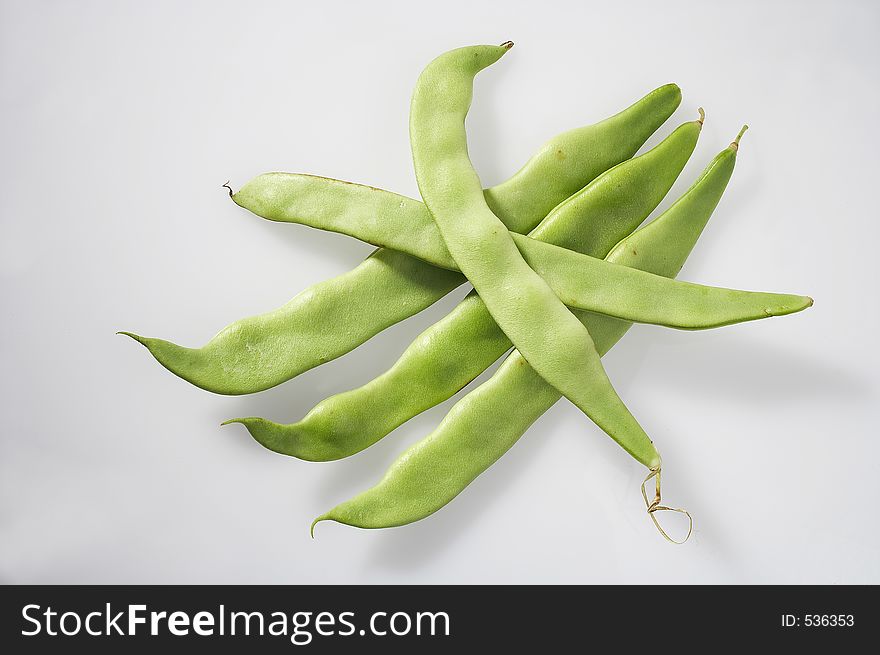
[[430, 619]]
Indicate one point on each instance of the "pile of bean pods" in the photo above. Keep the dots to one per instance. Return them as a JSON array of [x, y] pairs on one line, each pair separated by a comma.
[[560, 270]]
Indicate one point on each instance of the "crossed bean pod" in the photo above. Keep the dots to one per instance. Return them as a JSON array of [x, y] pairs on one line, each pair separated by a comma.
[[561, 295]]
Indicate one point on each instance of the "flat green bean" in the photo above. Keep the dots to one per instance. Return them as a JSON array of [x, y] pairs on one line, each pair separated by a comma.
[[591, 284], [451, 353], [333, 317], [579, 280], [488, 421], [554, 342]]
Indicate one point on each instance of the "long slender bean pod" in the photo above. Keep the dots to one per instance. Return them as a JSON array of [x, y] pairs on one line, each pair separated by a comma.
[[333, 317], [488, 421], [452, 352], [554, 342], [579, 280], [591, 284]]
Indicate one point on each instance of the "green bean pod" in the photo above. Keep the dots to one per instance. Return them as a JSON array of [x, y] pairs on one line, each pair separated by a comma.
[[593, 285], [333, 317], [456, 349], [579, 280], [539, 325], [489, 420]]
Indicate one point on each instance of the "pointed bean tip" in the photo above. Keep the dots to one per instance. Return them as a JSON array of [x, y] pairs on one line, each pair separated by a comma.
[[804, 302], [250, 423], [702, 118], [794, 305], [136, 337], [323, 517], [507, 45], [226, 186]]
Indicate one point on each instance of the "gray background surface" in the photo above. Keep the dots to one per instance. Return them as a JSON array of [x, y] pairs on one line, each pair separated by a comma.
[[120, 120]]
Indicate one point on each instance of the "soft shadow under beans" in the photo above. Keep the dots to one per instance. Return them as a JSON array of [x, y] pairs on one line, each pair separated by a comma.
[[724, 365]]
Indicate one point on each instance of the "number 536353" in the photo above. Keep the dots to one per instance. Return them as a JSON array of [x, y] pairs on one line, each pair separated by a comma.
[[828, 620]]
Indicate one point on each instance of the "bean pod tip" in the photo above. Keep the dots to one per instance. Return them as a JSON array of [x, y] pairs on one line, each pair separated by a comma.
[[323, 517], [134, 336]]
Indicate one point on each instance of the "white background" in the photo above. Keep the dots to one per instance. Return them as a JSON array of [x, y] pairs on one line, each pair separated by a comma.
[[120, 121]]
